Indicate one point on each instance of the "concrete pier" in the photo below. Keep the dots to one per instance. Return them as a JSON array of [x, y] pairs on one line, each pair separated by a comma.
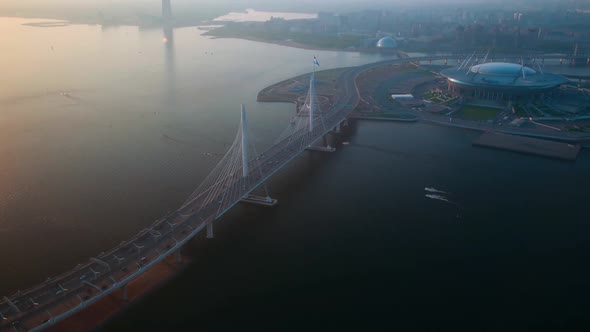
[[124, 294], [210, 230], [528, 145], [178, 256], [321, 148], [259, 200]]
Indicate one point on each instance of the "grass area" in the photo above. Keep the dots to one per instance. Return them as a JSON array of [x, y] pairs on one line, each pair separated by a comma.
[[471, 112], [579, 128], [441, 98], [237, 30], [428, 95], [450, 101], [330, 74]]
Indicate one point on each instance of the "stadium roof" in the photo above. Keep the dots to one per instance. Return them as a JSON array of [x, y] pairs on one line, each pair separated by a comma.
[[387, 42], [501, 75], [502, 69]]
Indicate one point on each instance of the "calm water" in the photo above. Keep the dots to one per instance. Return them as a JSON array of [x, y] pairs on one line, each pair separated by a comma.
[[356, 244], [103, 130], [113, 131]]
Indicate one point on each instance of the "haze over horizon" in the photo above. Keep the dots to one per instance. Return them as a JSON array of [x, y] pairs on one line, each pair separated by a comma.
[[15, 7]]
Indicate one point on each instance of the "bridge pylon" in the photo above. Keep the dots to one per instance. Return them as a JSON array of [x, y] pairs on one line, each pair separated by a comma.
[[166, 11], [249, 198], [315, 112], [244, 142], [312, 102]]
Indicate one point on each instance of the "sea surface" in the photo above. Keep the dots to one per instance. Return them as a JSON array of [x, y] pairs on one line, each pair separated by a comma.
[[356, 244], [407, 227], [105, 129]]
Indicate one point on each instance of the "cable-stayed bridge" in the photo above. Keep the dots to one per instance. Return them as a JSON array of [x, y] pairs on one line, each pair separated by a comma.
[[238, 173]]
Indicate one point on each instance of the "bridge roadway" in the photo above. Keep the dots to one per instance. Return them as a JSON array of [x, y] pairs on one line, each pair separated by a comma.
[[59, 297]]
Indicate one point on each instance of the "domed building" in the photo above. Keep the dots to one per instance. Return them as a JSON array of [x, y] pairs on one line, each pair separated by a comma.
[[500, 81], [386, 43]]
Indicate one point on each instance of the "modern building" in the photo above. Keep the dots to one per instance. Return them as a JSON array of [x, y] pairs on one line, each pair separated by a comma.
[[500, 81]]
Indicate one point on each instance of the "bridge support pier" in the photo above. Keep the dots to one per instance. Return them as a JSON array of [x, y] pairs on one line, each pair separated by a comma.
[[321, 148], [210, 230], [259, 200], [338, 127], [325, 148], [178, 256], [124, 293]]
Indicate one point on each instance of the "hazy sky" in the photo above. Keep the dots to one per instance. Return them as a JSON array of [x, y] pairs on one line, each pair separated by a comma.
[[298, 3], [77, 8]]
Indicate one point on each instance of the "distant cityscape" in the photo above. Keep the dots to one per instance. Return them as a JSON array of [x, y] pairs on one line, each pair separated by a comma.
[[546, 26], [449, 29]]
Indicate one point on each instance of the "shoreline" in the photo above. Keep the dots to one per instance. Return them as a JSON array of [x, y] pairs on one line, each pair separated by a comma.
[[208, 20], [290, 44], [272, 93], [64, 21], [473, 127]]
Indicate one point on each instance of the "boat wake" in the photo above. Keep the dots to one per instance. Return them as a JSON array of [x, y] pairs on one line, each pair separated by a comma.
[[73, 99], [442, 198], [439, 197], [434, 190]]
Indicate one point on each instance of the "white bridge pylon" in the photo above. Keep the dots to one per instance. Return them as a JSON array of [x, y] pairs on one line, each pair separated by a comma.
[[242, 170], [306, 123], [237, 174], [244, 130], [312, 100]]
